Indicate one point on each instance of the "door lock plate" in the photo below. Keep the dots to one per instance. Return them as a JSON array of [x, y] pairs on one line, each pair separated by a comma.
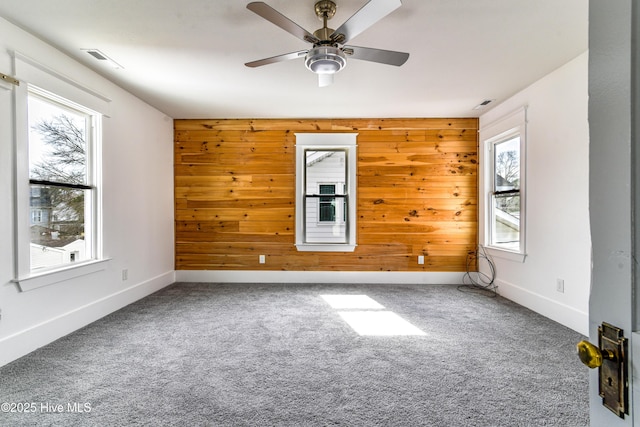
[[614, 384]]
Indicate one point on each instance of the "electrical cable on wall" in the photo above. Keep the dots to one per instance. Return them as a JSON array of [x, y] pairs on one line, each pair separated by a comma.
[[479, 280]]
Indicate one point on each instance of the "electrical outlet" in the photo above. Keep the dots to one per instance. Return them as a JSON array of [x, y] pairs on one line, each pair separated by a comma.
[[420, 259], [262, 259], [125, 274], [560, 285]]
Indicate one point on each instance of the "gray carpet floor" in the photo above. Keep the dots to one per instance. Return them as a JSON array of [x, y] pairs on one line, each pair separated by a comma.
[[279, 355]]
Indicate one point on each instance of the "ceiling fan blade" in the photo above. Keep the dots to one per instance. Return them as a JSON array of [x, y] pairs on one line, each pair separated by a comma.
[[275, 17], [325, 79], [368, 15], [278, 58], [390, 57]]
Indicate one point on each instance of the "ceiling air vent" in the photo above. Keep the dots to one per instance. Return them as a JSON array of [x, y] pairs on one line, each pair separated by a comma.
[[102, 57], [483, 104], [97, 54]]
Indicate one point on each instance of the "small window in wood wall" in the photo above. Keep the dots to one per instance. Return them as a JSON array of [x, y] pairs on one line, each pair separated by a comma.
[[326, 192]]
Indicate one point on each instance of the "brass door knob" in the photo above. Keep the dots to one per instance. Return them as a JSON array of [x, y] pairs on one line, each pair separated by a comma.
[[592, 356]]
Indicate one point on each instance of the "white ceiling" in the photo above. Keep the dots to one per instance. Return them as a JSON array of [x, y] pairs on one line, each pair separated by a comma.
[[186, 57]]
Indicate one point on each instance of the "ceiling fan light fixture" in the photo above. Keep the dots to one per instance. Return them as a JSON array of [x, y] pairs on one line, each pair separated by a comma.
[[325, 60]]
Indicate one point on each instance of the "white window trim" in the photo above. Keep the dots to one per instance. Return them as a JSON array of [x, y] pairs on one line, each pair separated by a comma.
[[41, 79], [324, 141], [512, 124], [46, 278]]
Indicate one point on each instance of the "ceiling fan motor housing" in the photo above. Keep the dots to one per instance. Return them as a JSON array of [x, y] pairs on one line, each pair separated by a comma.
[[325, 9], [325, 60]]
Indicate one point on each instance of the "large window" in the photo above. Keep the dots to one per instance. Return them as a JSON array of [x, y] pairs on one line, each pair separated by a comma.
[[325, 186], [61, 182], [503, 183], [58, 127]]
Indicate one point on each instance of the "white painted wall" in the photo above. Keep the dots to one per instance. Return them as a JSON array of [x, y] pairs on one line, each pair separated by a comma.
[[558, 243], [138, 210]]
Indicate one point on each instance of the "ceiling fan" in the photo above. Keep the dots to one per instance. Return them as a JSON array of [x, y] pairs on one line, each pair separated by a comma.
[[329, 52]]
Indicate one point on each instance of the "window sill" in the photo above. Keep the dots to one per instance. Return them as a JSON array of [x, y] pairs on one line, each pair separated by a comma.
[[46, 278], [325, 247], [506, 254]]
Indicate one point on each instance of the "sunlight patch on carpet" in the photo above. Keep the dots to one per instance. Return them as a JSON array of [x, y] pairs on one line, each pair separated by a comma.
[[379, 323], [366, 316]]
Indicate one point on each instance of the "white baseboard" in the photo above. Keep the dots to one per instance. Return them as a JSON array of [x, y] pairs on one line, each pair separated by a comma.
[[554, 310], [24, 342], [374, 277]]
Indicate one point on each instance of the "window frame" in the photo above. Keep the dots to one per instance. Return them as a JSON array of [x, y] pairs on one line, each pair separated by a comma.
[[46, 83], [326, 142], [502, 130]]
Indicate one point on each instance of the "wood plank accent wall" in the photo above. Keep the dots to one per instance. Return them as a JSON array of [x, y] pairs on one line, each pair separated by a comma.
[[235, 194]]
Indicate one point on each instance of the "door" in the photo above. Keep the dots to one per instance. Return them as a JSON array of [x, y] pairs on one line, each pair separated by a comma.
[[614, 190]]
